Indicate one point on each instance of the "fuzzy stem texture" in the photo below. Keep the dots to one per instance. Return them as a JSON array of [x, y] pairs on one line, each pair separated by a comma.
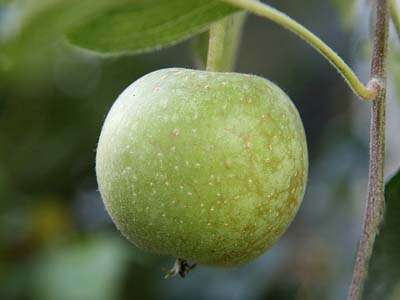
[[225, 36], [374, 210], [367, 92]]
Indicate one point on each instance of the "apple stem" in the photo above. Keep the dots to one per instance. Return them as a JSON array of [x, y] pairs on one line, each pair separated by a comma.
[[395, 13], [367, 92], [225, 36], [374, 211]]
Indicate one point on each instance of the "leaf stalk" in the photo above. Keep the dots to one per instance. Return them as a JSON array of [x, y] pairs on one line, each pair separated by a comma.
[[367, 92]]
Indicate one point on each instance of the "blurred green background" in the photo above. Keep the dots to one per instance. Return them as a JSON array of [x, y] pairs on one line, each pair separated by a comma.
[[57, 241]]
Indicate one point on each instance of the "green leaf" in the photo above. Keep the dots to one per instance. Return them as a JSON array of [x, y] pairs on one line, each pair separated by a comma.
[[145, 25], [33, 28], [384, 271]]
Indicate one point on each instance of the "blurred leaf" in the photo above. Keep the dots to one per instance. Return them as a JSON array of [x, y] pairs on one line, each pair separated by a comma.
[[44, 18], [145, 25], [89, 270], [394, 67], [33, 27], [50, 134], [346, 11], [384, 272]]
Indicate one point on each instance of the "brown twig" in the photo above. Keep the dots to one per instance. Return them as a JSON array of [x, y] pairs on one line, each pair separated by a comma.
[[375, 200]]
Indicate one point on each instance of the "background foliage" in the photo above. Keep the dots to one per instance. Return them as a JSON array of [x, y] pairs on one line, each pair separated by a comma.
[[57, 242]]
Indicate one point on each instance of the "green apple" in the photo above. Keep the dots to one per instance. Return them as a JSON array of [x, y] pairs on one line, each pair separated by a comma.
[[203, 166]]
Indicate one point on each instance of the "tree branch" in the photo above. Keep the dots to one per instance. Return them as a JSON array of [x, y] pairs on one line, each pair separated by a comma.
[[375, 199]]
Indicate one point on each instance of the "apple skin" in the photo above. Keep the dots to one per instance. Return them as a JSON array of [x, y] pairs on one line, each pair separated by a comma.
[[204, 166]]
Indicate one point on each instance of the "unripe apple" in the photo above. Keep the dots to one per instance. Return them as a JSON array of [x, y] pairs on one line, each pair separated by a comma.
[[204, 166]]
